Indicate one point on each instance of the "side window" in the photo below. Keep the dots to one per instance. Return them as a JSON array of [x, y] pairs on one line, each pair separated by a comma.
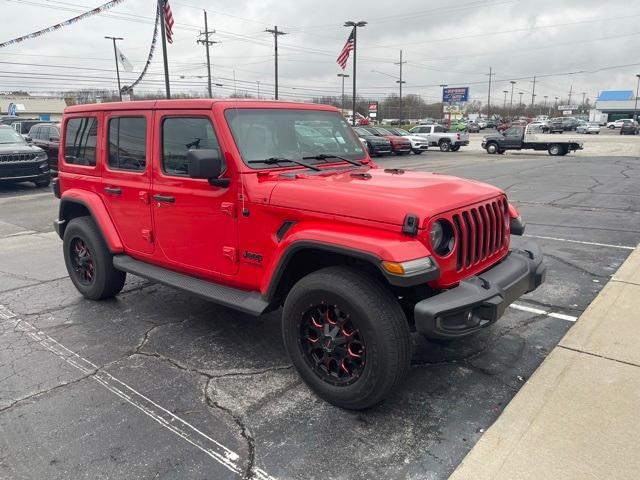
[[80, 141], [438, 129], [53, 134], [181, 134], [128, 143]]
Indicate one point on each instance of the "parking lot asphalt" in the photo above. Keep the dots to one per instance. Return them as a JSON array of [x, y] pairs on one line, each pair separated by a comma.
[[157, 384]]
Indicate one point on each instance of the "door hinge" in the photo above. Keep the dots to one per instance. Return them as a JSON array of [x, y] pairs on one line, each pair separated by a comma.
[[144, 197], [230, 254], [147, 234], [228, 208]]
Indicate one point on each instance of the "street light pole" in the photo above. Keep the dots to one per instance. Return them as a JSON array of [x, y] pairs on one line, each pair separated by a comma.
[[115, 55], [276, 33], [504, 104], [513, 82], [443, 86], [520, 104], [343, 76], [635, 107], [355, 26], [400, 82]]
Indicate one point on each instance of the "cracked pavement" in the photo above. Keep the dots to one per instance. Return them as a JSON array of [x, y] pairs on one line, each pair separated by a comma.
[[227, 373]]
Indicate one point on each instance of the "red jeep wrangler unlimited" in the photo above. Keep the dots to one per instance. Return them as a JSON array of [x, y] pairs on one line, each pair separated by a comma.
[[259, 204]]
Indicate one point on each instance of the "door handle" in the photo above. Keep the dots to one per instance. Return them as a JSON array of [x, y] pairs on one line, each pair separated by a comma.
[[113, 190], [164, 198]]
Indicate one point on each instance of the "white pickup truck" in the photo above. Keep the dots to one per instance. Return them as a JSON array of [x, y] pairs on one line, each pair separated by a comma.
[[527, 138], [437, 136]]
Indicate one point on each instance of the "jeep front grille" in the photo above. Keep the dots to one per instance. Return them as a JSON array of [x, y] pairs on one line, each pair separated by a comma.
[[17, 157], [480, 231]]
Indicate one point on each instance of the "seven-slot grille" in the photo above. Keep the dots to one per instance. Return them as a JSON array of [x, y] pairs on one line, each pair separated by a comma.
[[480, 232], [17, 157]]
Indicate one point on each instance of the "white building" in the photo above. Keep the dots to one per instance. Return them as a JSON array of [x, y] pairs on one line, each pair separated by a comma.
[[43, 108]]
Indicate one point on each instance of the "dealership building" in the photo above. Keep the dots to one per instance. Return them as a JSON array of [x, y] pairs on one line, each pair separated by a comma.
[[42, 108], [614, 104]]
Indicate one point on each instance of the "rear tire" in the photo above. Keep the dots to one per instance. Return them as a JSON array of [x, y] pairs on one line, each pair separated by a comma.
[[89, 262], [455, 148], [43, 183], [316, 307], [445, 145], [555, 149]]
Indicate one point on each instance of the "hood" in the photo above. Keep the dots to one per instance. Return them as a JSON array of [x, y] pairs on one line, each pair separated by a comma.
[[8, 148], [375, 139], [396, 139], [414, 138], [385, 197]]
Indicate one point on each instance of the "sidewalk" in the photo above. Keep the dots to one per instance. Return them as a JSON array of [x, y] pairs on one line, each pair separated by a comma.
[[578, 416]]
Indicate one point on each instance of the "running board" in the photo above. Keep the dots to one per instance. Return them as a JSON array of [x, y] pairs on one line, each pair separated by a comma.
[[247, 302]]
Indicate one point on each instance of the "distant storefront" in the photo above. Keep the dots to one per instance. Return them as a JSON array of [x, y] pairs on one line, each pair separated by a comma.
[[43, 108], [612, 105]]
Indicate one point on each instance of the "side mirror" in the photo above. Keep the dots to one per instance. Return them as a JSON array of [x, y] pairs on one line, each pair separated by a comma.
[[206, 164], [28, 139], [54, 139]]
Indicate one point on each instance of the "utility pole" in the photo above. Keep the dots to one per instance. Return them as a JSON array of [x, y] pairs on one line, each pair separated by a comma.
[[206, 42], [343, 76], [570, 93], [355, 26], [115, 55], [400, 82], [489, 94], [443, 86], [504, 104], [276, 33], [513, 82], [163, 34], [545, 101], [533, 93], [520, 104]]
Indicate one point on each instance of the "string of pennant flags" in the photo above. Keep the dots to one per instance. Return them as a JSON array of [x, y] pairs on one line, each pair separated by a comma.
[[60, 25], [150, 57]]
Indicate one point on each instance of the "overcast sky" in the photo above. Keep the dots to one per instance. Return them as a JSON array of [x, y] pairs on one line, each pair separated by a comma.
[[442, 43]]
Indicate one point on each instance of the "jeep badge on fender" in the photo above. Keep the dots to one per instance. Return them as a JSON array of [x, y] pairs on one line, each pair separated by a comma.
[[356, 255]]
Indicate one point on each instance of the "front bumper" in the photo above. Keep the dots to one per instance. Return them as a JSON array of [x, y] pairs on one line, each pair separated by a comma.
[[22, 171], [479, 301]]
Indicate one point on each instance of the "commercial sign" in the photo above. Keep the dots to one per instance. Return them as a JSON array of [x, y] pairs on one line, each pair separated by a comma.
[[453, 109], [373, 109], [568, 107], [455, 94]]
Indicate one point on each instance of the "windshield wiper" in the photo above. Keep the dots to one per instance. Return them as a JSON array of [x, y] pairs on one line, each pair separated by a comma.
[[324, 156], [275, 160]]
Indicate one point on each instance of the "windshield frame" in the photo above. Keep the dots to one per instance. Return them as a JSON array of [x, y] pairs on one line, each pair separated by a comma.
[[19, 139], [249, 163]]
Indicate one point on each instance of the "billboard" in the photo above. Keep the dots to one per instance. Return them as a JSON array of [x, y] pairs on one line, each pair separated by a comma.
[[373, 109], [455, 94]]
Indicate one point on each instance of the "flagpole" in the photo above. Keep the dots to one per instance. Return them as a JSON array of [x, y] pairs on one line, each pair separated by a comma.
[[355, 26], [115, 55], [164, 48]]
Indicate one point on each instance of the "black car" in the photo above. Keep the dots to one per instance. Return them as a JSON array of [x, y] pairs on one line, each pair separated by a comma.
[[629, 127], [47, 137], [569, 123], [21, 161], [375, 145], [556, 125]]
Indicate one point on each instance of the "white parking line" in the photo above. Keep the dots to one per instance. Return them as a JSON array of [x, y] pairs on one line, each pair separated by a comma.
[[158, 413], [539, 311], [624, 247]]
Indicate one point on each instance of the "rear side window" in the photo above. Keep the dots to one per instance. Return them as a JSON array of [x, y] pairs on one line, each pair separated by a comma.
[[438, 129], [127, 143], [181, 134], [80, 141]]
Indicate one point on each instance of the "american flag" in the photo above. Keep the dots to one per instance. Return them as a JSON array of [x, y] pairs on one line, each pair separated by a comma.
[[168, 21], [346, 50]]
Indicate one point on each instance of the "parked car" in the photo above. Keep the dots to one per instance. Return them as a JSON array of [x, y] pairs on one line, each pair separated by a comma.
[[437, 136], [47, 137], [540, 127], [399, 145], [239, 216], [569, 123], [515, 123], [376, 145], [21, 161], [418, 144], [473, 127], [23, 125], [618, 123], [11, 119], [522, 138], [629, 127], [458, 126], [589, 127], [556, 125]]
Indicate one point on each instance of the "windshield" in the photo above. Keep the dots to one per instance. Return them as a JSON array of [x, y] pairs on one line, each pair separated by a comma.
[[294, 134], [9, 135]]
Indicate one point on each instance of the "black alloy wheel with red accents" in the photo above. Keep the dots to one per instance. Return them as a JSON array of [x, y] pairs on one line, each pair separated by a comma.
[[332, 344], [82, 261], [347, 336]]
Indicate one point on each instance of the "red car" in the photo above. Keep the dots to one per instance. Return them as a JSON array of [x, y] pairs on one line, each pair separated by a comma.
[[222, 199], [399, 145]]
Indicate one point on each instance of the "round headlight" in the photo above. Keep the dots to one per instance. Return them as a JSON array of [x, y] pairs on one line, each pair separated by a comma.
[[442, 237]]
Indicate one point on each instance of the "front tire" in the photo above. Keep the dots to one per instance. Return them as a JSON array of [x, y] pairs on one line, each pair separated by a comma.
[[492, 148], [347, 336], [43, 183], [89, 262]]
